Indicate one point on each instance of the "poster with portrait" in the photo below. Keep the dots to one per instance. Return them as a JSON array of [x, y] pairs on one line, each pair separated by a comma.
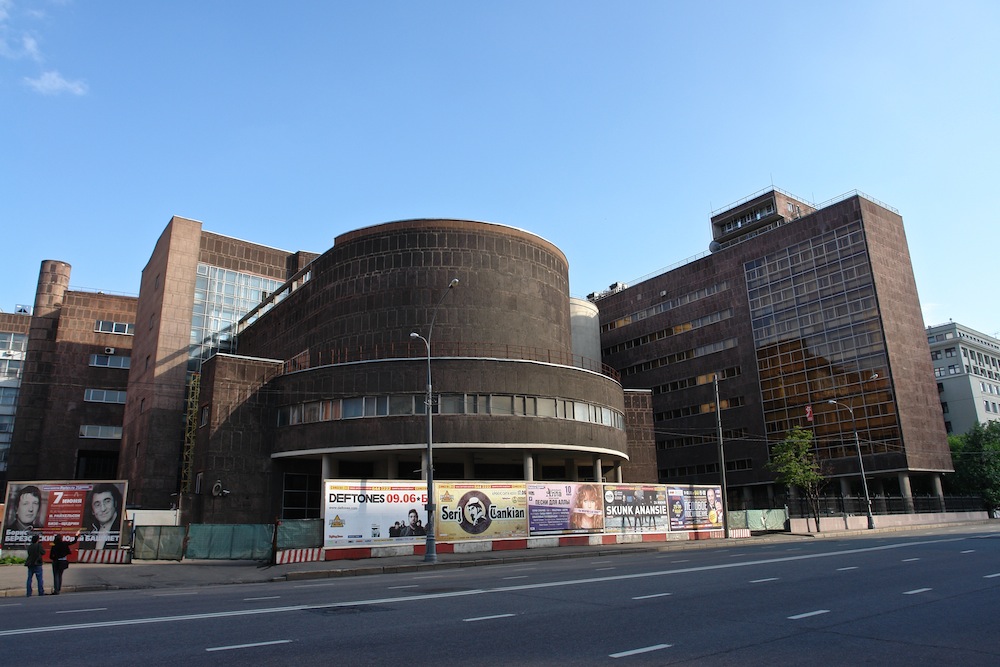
[[373, 512], [695, 507], [636, 508], [565, 508], [481, 510], [91, 514]]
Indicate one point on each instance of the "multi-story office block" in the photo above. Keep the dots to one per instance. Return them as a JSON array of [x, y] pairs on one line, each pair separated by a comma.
[[74, 385], [807, 316], [967, 372]]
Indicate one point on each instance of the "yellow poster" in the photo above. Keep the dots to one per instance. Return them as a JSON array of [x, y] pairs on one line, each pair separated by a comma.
[[481, 510]]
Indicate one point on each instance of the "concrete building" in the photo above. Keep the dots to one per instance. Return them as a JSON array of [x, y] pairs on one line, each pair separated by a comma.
[[326, 380], [194, 289], [967, 370], [13, 343], [794, 307], [74, 382]]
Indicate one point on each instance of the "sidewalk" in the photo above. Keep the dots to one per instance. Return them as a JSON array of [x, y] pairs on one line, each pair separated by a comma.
[[192, 573]]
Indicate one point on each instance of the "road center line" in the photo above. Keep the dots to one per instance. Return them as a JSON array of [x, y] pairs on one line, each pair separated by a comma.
[[518, 576], [991, 576], [910, 560], [917, 590], [761, 581], [654, 595], [968, 551], [636, 651], [395, 588], [254, 645], [808, 614], [266, 597], [845, 569], [81, 611], [502, 589]]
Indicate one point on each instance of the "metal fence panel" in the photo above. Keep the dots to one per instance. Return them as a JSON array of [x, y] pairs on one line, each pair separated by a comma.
[[758, 519], [229, 541], [158, 543], [300, 534]]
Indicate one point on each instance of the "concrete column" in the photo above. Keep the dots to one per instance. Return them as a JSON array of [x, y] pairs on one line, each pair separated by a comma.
[[904, 489], [748, 495], [423, 464], [392, 466], [331, 467], [618, 473], [529, 466], [938, 490], [469, 467], [598, 471], [845, 487], [572, 472]]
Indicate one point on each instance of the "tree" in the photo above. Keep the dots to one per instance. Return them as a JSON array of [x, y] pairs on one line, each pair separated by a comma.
[[795, 464], [976, 456]]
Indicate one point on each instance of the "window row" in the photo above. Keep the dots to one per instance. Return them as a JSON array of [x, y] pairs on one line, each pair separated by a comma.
[[678, 357], [671, 331], [689, 471], [987, 406], [101, 432], [696, 381], [107, 326], [448, 404], [664, 306], [700, 409], [749, 218], [110, 361], [104, 396], [15, 342], [6, 423]]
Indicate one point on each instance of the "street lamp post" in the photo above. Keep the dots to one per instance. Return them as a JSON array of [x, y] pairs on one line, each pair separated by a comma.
[[430, 550], [861, 462]]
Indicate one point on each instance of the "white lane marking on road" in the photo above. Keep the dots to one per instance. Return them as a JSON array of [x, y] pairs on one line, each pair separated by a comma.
[[519, 576], [968, 551], [266, 597], [991, 576], [396, 588], [486, 618], [654, 595], [808, 614], [845, 569], [917, 590], [81, 611], [173, 595], [636, 651], [13, 604], [761, 581], [910, 560], [254, 645], [602, 569], [475, 591]]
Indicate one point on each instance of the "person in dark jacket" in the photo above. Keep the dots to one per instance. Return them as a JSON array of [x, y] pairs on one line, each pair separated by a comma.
[[58, 554], [35, 565]]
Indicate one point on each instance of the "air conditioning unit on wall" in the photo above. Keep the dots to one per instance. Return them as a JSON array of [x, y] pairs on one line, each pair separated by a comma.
[[109, 350]]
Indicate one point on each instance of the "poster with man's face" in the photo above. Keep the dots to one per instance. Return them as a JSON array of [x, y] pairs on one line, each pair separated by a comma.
[[90, 513]]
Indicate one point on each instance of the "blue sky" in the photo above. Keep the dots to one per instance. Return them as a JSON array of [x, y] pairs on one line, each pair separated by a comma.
[[611, 129]]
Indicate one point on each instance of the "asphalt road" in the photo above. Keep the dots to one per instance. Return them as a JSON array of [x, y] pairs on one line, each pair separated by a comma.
[[928, 597]]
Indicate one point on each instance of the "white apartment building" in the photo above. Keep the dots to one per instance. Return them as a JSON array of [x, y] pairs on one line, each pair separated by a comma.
[[967, 370]]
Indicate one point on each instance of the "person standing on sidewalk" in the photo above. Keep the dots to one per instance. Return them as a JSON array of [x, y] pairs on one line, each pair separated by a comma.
[[58, 555], [35, 565]]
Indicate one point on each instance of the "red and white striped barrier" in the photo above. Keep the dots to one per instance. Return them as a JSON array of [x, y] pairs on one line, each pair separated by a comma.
[[119, 556], [299, 556]]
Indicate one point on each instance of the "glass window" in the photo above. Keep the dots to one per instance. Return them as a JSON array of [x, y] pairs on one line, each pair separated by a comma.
[[501, 405], [452, 404], [354, 408], [401, 405]]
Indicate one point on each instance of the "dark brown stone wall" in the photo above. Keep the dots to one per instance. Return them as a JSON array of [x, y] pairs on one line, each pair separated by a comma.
[[379, 284], [51, 409], [641, 466]]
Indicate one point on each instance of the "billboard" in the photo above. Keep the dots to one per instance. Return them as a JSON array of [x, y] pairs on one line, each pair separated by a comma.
[[373, 512], [636, 508], [91, 513], [480, 510], [695, 507], [560, 508]]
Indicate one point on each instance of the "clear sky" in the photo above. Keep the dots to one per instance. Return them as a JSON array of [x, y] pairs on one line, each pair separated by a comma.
[[612, 129]]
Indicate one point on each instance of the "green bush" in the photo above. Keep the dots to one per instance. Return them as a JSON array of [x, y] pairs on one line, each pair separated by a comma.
[[11, 560]]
